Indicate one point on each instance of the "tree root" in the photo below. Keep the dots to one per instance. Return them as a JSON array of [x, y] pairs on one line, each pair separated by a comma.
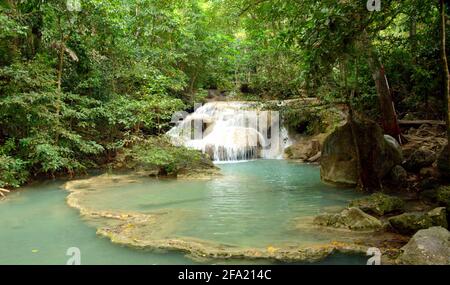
[[2, 193]]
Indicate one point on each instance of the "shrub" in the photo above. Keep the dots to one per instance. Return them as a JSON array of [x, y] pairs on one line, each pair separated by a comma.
[[13, 172]]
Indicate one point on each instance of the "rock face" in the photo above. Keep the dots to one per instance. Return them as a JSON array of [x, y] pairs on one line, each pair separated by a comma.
[[427, 247], [419, 159], [339, 160], [410, 223], [351, 219], [379, 204]]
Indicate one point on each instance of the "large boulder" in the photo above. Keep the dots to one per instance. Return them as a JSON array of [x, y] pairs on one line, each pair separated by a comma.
[[427, 247], [419, 159], [377, 153], [410, 223], [351, 219], [379, 204]]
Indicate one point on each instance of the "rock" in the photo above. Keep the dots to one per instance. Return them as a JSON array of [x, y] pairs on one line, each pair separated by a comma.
[[393, 142], [443, 196], [419, 159], [339, 161], [399, 174], [379, 204], [439, 217], [352, 219], [315, 158], [429, 172], [429, 183], [410, 223], [427, 247], [303, 149]]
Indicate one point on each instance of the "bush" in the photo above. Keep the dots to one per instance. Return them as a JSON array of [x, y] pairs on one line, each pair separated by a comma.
[[158, 152], [13, 172]]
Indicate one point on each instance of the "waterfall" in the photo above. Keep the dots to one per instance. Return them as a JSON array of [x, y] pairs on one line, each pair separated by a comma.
[[232, 131]]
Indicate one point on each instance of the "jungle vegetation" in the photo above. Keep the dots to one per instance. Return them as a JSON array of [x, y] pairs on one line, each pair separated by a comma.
[[81, 80]]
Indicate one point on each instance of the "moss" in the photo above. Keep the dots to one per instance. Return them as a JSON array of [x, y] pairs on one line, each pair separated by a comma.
[[410, 223], [379, 204], [443, 196]]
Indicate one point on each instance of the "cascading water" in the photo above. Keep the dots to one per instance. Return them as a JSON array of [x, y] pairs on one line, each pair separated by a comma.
[[232, 131]]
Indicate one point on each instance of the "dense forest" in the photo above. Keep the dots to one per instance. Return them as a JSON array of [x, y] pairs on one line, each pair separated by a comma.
[[80, 81]]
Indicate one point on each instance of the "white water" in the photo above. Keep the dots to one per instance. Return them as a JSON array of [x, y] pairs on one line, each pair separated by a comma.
[[232, 131]]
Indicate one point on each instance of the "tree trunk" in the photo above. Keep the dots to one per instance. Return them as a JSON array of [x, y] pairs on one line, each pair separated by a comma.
[[60, 66], [445, 75], [388, 114]]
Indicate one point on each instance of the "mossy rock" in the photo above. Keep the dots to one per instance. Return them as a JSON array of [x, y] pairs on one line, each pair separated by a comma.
[[156, 156], [443, 196], [410, 223], [352, 219], [427, 247], [379, 204]]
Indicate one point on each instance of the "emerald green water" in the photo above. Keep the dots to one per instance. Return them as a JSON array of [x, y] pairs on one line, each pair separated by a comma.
[[254, 204]]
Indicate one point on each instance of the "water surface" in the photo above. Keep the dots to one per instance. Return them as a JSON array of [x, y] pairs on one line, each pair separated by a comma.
[[254, 204]]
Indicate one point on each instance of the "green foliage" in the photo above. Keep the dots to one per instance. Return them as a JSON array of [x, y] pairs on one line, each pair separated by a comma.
[[76, 87], [159, 152], [303, 121], [13, 172]]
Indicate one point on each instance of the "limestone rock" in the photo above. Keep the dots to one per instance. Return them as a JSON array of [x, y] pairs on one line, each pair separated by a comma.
[[339, 161], [410, 223], [379, 204], [427, 247], [304, 149], [351, 219]]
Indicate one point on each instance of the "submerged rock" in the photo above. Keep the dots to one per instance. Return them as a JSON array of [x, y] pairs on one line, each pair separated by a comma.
[[410, 223], [339, 163], [427, 247], [352, 219], [379, 204]]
